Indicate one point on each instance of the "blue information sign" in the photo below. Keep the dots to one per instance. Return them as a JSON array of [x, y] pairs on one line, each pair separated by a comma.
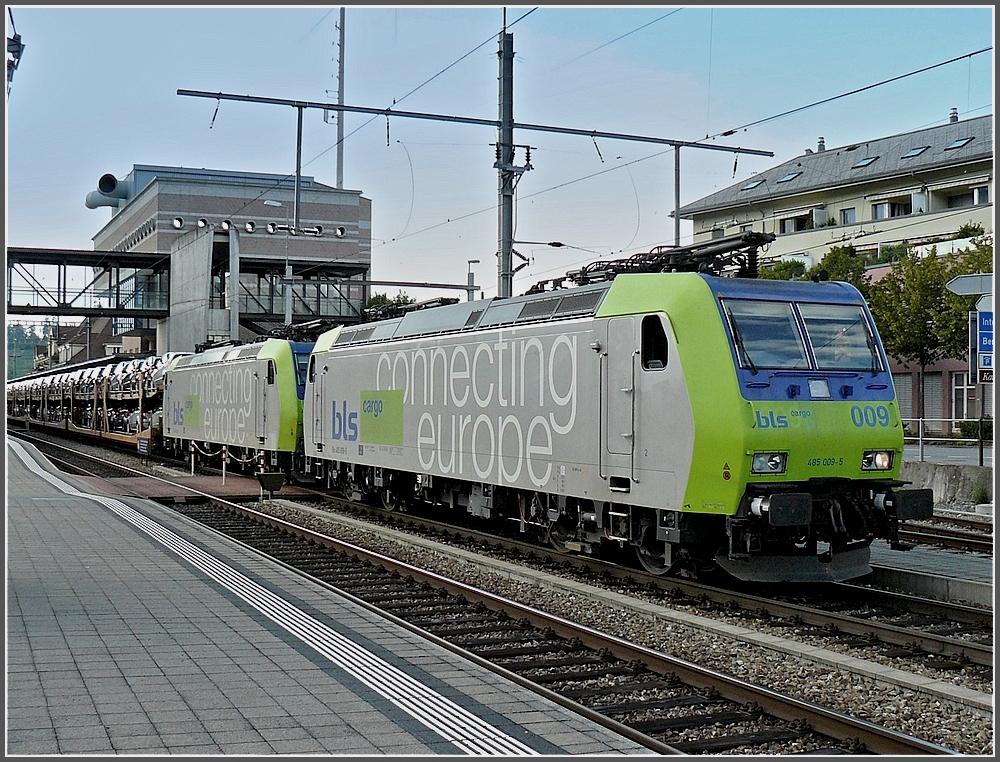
[[985, 347], [985, 331]]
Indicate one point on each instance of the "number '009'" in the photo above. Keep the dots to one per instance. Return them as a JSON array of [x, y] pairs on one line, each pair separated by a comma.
[[869, 415]]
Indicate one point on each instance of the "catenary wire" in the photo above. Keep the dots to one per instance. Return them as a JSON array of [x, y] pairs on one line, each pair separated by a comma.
[[597, 174], [621, 37], [844, 95]]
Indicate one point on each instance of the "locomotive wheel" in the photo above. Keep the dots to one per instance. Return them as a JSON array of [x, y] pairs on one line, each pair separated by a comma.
[[394, 495], [392, 500], [359, 486], [652, 555], [563, 531]]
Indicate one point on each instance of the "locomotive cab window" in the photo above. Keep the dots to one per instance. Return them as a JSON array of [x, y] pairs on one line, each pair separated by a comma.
[[654, 343], [766, 335], [840, 337], [300, 360]]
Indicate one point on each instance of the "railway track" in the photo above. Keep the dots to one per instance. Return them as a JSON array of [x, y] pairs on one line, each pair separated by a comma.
[[938, 634], [943, 636], [969, 535], [674, 705], [667, 704]]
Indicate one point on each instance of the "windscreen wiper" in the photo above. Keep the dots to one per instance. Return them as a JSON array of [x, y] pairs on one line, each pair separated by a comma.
[[873, 350], [740, 347]]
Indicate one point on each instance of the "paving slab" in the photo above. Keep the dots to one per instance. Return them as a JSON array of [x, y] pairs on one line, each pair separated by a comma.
[[134, 630]]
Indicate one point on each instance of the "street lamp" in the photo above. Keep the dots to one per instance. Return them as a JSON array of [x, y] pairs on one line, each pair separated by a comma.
[[471, 290]]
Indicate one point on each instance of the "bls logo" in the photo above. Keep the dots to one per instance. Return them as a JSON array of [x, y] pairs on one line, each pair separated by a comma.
[[345, 425], [771, 421]]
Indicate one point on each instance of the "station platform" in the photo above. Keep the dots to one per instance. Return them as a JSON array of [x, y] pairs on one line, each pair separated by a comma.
[[940, 573], [132, 630], [236, 487]]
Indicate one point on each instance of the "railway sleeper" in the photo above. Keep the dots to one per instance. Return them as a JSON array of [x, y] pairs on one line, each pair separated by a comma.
[[432, 620], [436, 610], [404, 599], [407, 599], [554, 663], [945, 664], [665, 724], [645, 705], [570, 677], [519, 651], [444, 613], [954, 630], [656, 682], [544, 636], [727, 742], [447, 631]]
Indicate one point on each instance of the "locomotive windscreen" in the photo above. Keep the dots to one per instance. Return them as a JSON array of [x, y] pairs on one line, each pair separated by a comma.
[[840, 337], [300, 359], [801, 335], [766, 335]]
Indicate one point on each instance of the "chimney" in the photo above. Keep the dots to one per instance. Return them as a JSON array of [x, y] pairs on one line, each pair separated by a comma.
[[953, 116], [821, 146]]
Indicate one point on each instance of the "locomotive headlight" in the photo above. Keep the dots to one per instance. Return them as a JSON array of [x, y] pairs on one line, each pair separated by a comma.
[[876, 460], [769, 462]]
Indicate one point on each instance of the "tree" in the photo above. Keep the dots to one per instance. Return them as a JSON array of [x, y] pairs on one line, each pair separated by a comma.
[[843, 263], [379, 300], [911, 311], [787, 269], [954, 320], [21, 345]]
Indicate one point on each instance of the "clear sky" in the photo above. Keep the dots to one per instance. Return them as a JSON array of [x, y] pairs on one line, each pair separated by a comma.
[[96, 92]]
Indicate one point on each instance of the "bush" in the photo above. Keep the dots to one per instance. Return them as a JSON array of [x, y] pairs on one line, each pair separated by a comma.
[[969, 230], [970, 429], [980, 495]]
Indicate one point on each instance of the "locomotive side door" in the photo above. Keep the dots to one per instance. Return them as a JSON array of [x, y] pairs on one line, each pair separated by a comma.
[[618, 399], [316, 380], [264, 378]]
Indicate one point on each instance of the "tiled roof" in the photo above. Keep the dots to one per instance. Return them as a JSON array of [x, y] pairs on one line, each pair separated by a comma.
[[847, 165]]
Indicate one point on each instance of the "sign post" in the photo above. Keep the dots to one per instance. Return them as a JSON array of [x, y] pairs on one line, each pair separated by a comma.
[[981, 342]]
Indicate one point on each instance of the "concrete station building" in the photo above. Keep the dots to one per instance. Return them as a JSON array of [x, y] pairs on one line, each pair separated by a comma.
[[233, 249]]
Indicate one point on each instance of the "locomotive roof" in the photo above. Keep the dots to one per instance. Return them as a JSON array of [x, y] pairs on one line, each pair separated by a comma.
[[220, 354], [799, 291], [467, 316], [231, 352]]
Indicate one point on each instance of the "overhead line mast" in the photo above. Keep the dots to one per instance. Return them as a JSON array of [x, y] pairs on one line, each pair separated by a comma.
[[340, 102], [506, 171], [505, 126]]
